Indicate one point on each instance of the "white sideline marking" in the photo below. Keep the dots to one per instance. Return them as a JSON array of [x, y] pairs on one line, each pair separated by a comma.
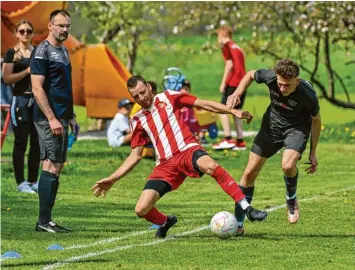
[[109, 240], [169, 238], [93, 254]]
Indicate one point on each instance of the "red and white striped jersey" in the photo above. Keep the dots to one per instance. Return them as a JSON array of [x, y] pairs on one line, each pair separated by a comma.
[[164, 125]]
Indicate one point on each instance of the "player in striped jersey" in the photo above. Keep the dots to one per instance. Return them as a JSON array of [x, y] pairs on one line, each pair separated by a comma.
[[178, 152]]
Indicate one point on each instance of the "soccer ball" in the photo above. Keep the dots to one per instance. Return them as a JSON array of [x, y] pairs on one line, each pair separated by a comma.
[[223, 225]]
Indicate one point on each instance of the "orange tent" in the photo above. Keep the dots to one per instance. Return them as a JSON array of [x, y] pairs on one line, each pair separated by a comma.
[[99, 77]]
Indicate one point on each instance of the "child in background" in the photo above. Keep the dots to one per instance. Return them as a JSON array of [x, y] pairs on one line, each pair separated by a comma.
[[189, 116]]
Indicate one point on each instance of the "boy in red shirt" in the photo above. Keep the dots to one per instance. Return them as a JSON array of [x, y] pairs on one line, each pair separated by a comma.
[[234, 71]]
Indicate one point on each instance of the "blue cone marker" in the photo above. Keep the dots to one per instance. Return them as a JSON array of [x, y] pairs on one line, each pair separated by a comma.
[[11, 255], [55, 247]]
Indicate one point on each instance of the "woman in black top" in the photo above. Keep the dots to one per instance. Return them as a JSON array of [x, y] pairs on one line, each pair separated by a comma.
[[16, 72]]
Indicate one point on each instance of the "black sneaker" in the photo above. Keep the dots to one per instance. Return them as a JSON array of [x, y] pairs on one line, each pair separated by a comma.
[[162, 230], [203, 141], [51, 227], [254, 214]]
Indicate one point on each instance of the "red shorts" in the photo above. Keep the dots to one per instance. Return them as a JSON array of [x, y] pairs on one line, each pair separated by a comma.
[[176, 169]]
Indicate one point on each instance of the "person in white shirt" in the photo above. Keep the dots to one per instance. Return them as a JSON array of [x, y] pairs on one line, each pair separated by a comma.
[[119, 131]]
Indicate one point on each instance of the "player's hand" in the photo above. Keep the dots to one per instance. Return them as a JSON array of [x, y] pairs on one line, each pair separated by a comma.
[[232, 101], [101, 187], [222, 88], [56, 127], [314, 164], [243, 115]]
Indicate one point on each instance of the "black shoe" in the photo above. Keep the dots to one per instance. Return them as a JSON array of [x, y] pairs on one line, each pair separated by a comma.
[[162, 230], [254, 214], [203, 141], [51, 227]]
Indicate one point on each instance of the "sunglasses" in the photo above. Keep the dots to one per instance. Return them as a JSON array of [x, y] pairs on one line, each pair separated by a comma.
[[23, 31]]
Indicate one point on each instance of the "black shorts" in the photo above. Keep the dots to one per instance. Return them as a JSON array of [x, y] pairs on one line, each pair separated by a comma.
[[230, 90], [52, 147], [266, 145]]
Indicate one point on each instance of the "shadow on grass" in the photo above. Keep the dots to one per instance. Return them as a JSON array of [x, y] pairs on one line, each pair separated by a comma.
[[268, 236], [33, 264]]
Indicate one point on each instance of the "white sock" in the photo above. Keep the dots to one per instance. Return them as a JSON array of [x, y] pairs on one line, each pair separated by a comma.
[[243, 204]]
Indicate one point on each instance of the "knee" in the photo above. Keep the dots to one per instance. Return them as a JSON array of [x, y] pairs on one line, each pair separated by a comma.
[[141, 210], [51, 167], [210, 167], [289, 168], [20, 145]]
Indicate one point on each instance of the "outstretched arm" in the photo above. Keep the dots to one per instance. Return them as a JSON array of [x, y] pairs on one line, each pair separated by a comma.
[[213, 106], [101, 187], [234, 99]]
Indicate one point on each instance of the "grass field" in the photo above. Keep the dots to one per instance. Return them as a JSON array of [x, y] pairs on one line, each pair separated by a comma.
[[108, 235]]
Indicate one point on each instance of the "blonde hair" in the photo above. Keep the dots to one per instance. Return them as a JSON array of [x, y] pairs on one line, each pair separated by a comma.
[[18, 55], [226, 31]]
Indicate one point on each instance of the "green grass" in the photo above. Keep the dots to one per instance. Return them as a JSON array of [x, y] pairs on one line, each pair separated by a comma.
[[323, 239]]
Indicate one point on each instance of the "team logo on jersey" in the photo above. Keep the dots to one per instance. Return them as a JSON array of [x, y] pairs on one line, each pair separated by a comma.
[[283, 105], [55, 55], [161, 105], [292, 102]]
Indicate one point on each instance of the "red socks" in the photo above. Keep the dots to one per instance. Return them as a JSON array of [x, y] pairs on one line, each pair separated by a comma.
[[155, 217], [228, 184]]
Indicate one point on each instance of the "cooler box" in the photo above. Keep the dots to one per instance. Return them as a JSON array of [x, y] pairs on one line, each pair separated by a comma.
[[205, 118]]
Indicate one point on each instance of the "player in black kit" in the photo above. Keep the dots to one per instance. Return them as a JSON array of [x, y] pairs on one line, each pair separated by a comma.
[[292, 115]]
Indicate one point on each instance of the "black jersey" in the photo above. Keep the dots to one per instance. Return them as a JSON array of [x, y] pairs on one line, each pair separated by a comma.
[[286, 112], [23, 85], [53, 63]]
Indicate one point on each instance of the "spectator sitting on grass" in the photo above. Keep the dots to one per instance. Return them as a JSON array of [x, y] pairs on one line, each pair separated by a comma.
[[119, 131]]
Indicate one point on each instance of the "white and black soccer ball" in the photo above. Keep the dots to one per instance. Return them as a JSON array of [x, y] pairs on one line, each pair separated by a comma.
[[223, 225]]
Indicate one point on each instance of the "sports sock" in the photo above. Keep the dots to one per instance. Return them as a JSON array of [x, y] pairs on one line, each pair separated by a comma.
[[240, 140], [54, 194], [239, 213], [228, 137], [291, 188], [155, 217], [227, 183], [47, 189]]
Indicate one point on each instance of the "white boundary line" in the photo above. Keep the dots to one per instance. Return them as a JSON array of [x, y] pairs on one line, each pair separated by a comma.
[[169, 238], [109, 240]]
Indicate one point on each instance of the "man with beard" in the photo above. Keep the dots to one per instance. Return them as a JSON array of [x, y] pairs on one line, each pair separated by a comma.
[[53, 112]]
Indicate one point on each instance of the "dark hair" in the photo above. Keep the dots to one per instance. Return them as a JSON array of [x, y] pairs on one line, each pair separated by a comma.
[[19, 23], [57, 11], [186, 85], [133, 81], [154, 87], [287, 68]]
